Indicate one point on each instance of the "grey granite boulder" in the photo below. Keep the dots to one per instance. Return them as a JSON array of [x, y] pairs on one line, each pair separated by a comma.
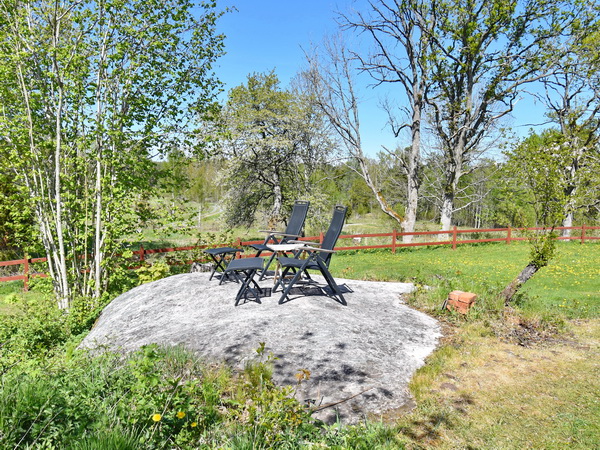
[[360, 356]]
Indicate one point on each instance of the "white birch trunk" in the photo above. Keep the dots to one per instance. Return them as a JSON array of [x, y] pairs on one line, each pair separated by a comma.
[[64, 291], [98, 254]]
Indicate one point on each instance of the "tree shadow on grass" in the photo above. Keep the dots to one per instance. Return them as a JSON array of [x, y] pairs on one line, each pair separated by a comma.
[[428, 430]]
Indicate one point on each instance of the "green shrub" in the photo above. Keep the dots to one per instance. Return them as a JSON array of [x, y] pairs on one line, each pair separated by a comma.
[[43, 285], [33, 329], [152, 272], [152, 399]]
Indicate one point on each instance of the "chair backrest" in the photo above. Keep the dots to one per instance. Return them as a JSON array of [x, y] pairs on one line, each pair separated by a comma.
[[333, 232], [297, 218]]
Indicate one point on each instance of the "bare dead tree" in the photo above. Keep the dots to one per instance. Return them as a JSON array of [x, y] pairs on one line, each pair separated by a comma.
[[330, 79], [400, 31]]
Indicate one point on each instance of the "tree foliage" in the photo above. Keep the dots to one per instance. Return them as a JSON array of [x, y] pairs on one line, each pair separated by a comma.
[[572, 97], [91, 92], [274, 140], [484, 52], [538, 163], [16, 219]]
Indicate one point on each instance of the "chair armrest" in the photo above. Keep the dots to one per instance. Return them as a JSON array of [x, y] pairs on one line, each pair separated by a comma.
[[315, 244], [316, 249], [270, 238], [278, 233]]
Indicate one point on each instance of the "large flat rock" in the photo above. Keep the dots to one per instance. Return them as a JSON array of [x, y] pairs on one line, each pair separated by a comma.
[[361, 355]]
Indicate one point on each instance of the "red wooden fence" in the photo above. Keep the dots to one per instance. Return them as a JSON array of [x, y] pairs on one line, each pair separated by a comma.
[[396, 238]]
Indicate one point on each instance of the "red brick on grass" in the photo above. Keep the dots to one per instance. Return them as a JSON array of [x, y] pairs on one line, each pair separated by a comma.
[[460, 301]]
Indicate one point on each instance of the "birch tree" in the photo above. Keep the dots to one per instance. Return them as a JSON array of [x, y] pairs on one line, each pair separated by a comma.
[[93, 90]]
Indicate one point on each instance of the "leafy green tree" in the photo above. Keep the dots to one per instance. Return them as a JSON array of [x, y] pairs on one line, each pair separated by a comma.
[[92, 91], [538, 164], [484, 53], [572, 96], [273, 145], [17, 229], [509, 202]]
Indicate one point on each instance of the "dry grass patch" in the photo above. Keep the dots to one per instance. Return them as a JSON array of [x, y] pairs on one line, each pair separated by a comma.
[[479, 391]]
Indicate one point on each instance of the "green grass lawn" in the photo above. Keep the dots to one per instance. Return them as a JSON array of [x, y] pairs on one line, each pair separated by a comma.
[[569, 286]]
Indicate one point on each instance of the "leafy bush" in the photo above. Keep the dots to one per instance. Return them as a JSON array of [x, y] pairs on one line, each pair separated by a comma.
[[155, 398], [31, 330], [152, 272]]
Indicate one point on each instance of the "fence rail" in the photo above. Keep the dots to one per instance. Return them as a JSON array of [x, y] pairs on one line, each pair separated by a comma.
[[511, 234]]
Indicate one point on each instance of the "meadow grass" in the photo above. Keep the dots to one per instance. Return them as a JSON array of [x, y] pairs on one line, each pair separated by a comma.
[[501, 378], [569, 286], [478, 391]]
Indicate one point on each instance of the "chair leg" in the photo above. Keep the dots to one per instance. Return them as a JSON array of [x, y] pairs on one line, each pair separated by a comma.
[[288, 287], [281, 279], [216, 266], [331, 282], [231, 274], [220, 263], [264, 271], [246, 287]]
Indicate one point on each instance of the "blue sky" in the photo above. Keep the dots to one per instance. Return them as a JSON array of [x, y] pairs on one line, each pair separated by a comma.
[[265, 35]]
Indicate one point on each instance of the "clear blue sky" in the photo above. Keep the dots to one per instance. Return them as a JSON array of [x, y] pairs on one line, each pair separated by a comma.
[[265, 35]]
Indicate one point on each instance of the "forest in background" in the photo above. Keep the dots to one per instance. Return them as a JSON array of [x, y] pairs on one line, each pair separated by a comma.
[[111, 125]]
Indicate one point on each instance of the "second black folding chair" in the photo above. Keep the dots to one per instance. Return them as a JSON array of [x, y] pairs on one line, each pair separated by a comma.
[[317, 259]]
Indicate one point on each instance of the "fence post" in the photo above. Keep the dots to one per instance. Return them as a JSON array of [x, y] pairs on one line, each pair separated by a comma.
[[321, 237], [454, 238], [141, 253], [508, 232], [582, 234], [394, 234], [26, 273]]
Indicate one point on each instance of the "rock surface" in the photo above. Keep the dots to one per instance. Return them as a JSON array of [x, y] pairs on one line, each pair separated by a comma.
[[360, 356]]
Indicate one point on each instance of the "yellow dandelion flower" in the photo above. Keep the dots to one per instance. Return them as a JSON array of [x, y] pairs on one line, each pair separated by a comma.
[[194, 424], [180, 415], [156, 417]]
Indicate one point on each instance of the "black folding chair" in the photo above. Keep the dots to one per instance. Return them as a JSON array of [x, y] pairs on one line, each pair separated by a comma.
[[318, 258], [292, 231]]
